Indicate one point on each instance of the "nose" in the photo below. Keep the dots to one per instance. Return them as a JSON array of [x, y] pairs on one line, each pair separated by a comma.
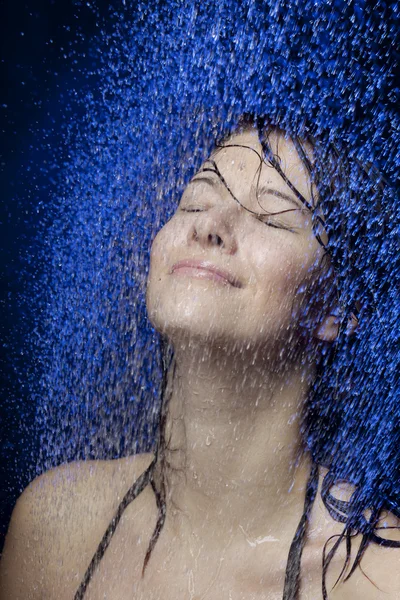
[[214, 228]]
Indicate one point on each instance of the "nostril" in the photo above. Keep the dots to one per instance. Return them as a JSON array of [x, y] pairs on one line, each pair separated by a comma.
[[215, 239]]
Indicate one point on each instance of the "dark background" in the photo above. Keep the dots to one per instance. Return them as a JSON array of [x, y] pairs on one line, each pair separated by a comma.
[[47, 49]]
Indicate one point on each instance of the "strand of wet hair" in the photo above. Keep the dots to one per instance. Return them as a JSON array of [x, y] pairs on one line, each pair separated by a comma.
[[350, 514], [345, 512], [133, 492], [293, 566]]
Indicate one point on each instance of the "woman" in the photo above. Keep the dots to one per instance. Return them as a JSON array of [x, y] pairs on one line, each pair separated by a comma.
[[234, 504]]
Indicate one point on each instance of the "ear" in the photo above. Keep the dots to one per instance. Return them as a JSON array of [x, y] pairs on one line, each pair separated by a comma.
[[328, 330]]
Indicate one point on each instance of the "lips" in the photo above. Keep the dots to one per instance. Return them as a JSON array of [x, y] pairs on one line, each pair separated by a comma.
[[205, 267]]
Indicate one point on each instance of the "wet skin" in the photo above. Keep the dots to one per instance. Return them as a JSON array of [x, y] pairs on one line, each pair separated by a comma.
[[237, 394], [270, 251]]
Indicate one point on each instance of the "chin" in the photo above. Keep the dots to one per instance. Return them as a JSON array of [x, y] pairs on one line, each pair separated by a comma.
[[203, 317], [190, 328], [178, 321], [176, 306]]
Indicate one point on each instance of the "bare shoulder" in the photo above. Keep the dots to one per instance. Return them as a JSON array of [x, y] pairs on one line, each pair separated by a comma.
[[380, 565], [58, 522], [378, 575]]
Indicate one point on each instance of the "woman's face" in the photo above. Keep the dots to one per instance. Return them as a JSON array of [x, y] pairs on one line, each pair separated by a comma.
[[264, 258]]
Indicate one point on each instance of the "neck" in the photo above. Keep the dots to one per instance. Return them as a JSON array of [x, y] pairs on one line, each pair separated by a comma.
[[233, 439]]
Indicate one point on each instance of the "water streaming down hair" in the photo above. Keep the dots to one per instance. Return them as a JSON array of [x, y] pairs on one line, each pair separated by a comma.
[[174, 80]]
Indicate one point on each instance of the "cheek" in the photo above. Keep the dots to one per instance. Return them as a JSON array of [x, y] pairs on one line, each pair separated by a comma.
[[280, 274], [158, 261], [162, 247], [156, 254], [277, 267], [299, 262], [161, 259]]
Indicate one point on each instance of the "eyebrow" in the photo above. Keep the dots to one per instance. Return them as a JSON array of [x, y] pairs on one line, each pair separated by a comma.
[[212, 182], [262, 190], [267, 190]]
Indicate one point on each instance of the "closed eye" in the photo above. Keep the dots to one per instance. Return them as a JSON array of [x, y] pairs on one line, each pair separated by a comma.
[[263, 218], [272, 222]]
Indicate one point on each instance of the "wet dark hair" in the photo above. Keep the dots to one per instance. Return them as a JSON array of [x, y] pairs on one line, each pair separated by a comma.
[[357, 456]]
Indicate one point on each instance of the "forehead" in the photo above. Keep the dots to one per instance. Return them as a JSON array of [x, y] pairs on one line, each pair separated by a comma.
[[239, 160]]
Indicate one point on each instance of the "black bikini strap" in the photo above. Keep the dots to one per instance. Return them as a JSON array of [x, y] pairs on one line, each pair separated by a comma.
[[137, 487], [292, 577]]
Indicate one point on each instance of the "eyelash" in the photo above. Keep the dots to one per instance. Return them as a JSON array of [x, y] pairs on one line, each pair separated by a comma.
[[269, 224]]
